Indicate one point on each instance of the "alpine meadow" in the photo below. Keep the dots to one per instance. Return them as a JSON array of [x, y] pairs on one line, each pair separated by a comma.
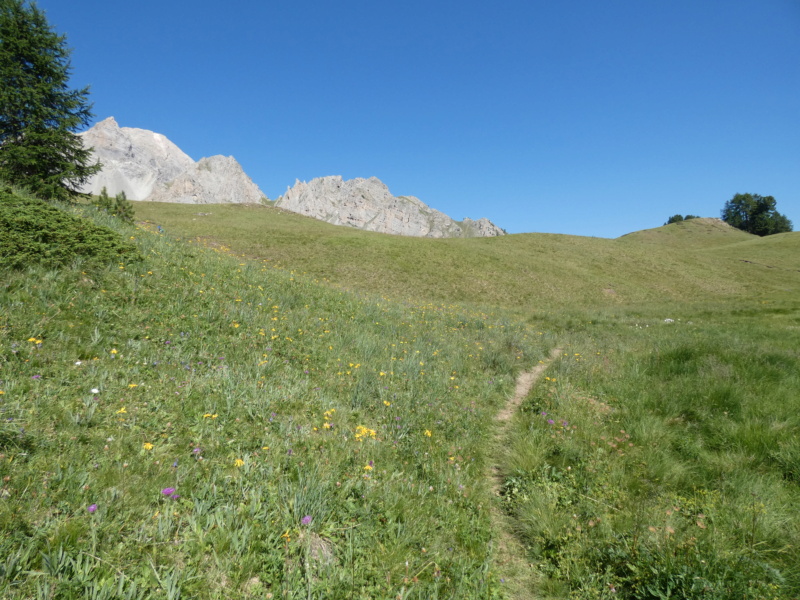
[[245, 403], [299, 412]]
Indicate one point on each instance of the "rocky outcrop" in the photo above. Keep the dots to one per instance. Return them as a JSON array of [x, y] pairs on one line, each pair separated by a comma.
[[214, 180], [481, 228], [147, 166], [368, 204]]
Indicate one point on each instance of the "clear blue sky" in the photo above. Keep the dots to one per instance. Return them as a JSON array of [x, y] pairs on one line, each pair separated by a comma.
[[577, 116]]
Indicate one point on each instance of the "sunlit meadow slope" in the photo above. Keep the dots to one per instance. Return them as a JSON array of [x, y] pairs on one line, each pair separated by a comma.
[[205, 425], [194, 425], [659, 455], [691, 261]]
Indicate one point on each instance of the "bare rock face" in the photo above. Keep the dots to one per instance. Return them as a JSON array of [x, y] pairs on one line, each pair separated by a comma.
[[482, 227], [134, 160], [214, 180], [147, 166], [368, 204]]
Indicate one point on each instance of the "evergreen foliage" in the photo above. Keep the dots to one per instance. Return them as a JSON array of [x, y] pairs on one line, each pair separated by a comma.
[[104, 201], [123, 208], [118, 206], [679, 218], [35, 232], [39, 112], [755, 214]]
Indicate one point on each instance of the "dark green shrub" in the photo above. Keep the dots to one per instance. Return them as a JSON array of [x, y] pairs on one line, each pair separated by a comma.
[[35, 232]]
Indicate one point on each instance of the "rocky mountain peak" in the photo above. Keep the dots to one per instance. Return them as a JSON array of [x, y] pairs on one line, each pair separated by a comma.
[[148, 166]]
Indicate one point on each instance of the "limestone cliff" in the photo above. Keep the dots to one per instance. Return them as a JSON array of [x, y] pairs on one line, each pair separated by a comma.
[[147, 166], [214, 180], [368, 204]]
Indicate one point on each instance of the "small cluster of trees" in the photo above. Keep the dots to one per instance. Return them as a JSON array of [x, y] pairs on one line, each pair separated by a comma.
[[679, 218], [751, 213], [755, 214], [118, 206]]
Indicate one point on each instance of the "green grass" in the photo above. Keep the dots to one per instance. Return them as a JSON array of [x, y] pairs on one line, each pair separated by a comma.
[[321, 444], [662, 457], [291, 409], [692, 261]]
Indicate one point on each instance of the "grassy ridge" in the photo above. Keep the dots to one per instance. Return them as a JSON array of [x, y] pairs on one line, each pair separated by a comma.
[[684, 262]]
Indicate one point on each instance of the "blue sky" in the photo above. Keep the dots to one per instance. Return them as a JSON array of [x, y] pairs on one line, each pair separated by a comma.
[[579, 117]]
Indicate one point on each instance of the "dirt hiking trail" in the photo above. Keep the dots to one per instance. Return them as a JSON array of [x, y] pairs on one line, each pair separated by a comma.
[[510, 556]]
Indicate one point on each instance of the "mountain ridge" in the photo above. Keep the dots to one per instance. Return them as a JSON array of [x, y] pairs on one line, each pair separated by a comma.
[[148, 166], [369, 205]]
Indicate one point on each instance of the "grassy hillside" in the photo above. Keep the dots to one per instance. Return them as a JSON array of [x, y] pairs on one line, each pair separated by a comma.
[[683, 262], [199, 424], [693, 234]]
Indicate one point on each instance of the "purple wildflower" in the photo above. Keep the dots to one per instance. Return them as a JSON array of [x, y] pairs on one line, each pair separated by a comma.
[[92, 507], [550, 421], [306, 520], [168, 491]]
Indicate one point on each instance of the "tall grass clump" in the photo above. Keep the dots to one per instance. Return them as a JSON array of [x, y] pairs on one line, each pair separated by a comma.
[[193, 425], [659, 458]]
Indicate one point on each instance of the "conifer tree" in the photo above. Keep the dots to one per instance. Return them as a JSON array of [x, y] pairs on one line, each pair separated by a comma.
[[39, 112], [123, 207], [755, 214], [103, 201]]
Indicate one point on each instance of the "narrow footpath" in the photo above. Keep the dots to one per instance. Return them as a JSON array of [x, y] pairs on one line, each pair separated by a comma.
[[510, 556]]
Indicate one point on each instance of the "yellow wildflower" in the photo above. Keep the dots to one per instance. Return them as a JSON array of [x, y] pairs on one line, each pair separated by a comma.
[[428, 433], [363, 432], [147, 446], [238, 462], [122, 411]]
